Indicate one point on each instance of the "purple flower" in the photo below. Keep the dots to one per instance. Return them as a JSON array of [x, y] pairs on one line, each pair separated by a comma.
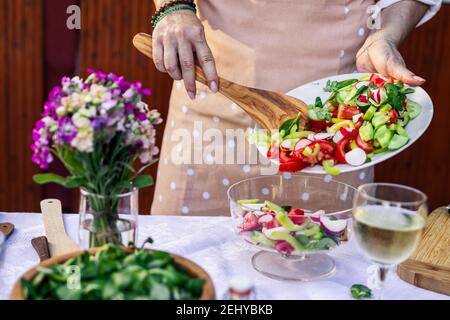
[[66, 131]]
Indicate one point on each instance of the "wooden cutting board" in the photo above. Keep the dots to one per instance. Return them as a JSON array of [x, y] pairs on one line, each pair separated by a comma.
[[429, 266]]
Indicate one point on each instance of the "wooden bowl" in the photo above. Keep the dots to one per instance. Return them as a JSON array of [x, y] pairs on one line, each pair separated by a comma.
[[192, 269]]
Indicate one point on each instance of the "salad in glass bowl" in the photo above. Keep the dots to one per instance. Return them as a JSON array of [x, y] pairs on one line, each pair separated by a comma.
[[294, 220], [359, 120]]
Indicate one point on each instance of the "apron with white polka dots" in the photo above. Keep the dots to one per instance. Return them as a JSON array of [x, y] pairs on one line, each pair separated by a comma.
[[269, 44]]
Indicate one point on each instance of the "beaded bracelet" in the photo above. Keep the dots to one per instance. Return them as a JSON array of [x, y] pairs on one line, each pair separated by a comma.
[[173, 6]]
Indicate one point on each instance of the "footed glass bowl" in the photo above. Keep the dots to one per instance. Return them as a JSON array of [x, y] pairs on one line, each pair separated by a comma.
[[294, 220]]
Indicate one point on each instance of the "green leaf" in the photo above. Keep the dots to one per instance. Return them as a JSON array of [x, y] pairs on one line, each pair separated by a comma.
[[318, 103], [44, 178], [360, 291], [286, 127], [143, 181], [332, 86]]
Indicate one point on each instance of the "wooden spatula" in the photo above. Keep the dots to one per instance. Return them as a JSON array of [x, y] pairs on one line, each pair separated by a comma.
[[269, 109], [58, 240]]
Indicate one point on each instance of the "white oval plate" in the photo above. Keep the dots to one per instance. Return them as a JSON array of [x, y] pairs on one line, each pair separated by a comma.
[[415, 128]]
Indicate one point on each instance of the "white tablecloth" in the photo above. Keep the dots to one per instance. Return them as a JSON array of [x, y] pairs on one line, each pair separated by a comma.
[[212, 243]]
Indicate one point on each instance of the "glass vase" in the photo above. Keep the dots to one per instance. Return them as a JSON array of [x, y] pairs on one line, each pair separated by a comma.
[[108, 218]]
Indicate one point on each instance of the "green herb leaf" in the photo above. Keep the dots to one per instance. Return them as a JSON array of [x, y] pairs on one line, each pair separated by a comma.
[[360, 291], [332, 86], [45, 178], [286, 127], [143, 181], [318, 103]]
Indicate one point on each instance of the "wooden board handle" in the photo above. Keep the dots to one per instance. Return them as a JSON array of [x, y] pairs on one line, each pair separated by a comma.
[[53, 219]]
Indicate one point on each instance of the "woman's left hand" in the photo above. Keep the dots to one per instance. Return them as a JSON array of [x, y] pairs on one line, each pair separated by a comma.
[[381, 55]]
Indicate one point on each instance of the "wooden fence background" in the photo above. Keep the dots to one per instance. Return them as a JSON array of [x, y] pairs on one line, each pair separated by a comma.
[[36, 49]]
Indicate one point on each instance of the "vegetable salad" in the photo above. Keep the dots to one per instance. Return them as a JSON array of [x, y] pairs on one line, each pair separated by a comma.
[[361, 118], [288, 229]]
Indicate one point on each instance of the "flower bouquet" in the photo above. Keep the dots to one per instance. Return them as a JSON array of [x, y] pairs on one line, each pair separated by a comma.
[[98, 128]]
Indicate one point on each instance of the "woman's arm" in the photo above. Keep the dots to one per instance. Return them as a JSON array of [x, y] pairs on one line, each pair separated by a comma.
[[380, 54], [178, 40]]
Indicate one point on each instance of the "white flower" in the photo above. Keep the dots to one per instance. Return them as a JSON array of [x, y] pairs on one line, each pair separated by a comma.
[[84, 140], [129, 94], [145, 157], [61, 111], [80, 121]]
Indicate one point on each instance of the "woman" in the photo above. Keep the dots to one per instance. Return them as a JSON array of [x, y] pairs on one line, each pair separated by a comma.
[[267, 44]]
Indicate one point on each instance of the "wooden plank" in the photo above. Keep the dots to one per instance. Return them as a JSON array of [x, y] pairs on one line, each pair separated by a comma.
[[108, 28], [21, 88], [429, 266]]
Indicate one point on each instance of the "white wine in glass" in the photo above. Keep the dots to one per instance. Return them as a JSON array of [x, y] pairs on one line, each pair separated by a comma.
[[388, 220]]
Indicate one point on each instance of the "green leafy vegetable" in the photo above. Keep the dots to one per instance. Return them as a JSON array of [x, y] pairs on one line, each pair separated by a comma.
[[360, 291], [332, 86], [287, 126], [115, 274]]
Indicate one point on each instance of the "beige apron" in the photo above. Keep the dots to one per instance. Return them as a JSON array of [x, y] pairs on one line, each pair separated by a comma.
[[269, 44]]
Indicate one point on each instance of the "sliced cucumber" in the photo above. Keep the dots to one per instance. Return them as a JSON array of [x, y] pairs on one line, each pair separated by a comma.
[[386, 108], [401, 131], [384, 136], [403, 122], [370, 113], [397, 142], [312, 114], [414, 109], [366, 131], [379, 119]]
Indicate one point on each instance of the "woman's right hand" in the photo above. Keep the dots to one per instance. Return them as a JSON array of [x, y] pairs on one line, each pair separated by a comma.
[[178, 40]]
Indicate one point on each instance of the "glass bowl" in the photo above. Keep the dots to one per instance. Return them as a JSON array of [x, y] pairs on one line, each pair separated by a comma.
[[294, 220]]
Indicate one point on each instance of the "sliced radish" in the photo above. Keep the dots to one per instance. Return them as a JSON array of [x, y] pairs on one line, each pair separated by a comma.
[[283, 247], [250, 222], [356, 117], [323, 136], [316, 215], [333, 227], [303, 143], [311, 137], [363, 98], [288, 144], [359, 84], [265, 218], [338, 137], [356, 157]]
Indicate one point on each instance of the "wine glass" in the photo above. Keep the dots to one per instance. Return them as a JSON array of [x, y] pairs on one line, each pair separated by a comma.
[[388, 220]]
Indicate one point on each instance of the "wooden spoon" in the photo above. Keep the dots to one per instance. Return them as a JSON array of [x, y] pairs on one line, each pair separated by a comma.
[[269, 109], [58, 240]]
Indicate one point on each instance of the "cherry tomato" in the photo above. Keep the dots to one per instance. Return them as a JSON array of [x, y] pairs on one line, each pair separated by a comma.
[[367, 146], [347, 112]]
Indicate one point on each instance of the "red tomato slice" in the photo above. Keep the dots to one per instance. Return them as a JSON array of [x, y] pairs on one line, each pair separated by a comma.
[[296, 212], [316, 125], [325, 146], [347, 112], [393, 116], [292, 166], [285, 156], [366, 146]]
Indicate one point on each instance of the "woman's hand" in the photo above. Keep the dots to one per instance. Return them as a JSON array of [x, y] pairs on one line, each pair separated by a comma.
[[178, 40], [381, 55]]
